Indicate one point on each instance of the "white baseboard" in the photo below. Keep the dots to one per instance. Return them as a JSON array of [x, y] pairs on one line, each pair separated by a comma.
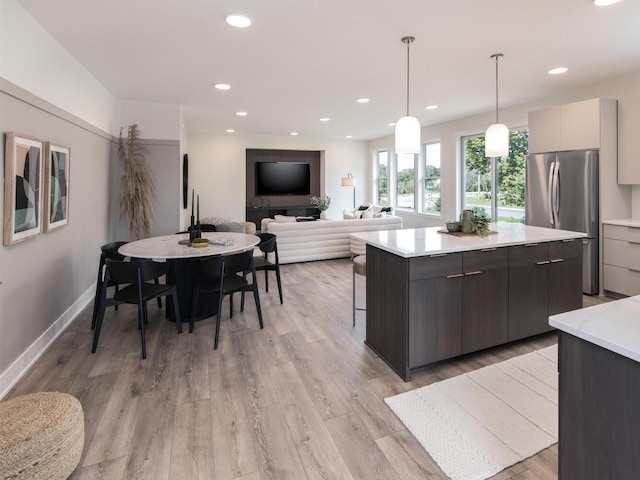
[[19, 367]]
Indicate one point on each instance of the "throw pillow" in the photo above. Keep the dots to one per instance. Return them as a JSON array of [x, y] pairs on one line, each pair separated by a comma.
[[214, 220], [367, 214], [284, 219]]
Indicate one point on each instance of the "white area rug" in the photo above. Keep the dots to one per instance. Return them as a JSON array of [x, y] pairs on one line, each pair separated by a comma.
[[480, 423]]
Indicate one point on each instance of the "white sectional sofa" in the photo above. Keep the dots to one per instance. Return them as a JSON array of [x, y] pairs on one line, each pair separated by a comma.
[[322, 239]]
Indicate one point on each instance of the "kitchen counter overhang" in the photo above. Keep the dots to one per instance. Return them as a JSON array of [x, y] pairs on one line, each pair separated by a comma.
[[417, 242]]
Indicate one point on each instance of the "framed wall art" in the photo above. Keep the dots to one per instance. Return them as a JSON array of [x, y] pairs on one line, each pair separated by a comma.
[[56, 186], [22, 188]]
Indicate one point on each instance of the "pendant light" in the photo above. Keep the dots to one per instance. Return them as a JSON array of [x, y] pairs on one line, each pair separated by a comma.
[[496, 139], [408, 127]]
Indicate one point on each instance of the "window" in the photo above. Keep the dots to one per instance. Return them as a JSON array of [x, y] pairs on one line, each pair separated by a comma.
[[405, 181], [431, 192], [495, 184], [382, 178]]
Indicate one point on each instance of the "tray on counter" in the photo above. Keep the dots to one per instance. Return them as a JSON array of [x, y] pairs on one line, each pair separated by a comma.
[[464, 234]]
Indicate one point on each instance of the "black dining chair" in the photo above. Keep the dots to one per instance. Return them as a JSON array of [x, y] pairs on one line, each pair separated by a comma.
[[136, 275], [109, 250], [268, 245], [221, 276]]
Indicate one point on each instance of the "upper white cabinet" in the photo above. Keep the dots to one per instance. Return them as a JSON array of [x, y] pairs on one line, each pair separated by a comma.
[[544, 130], [574, 126]]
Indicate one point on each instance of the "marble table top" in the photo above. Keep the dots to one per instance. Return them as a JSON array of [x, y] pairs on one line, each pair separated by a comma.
[[612, 325], [168, 247], [416, 242]]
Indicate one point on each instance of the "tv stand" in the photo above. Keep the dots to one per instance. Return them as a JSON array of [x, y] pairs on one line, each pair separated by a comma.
[[256, 215]]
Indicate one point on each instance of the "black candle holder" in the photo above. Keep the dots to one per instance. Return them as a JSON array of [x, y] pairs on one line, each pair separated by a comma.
[[192, 230]]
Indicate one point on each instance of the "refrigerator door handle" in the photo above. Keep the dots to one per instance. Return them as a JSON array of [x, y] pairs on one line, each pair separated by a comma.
[[556, 192], [550, 193]]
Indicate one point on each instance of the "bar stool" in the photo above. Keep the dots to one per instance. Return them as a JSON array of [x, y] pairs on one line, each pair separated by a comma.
[[359, 268]]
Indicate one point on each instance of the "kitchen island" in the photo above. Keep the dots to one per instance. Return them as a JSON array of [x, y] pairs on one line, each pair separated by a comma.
[[433, 295], [599, 387]]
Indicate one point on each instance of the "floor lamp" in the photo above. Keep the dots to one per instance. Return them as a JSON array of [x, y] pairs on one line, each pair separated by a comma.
[[349, 181]]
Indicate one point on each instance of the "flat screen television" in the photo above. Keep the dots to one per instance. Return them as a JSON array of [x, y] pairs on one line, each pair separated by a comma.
[[283, 178]]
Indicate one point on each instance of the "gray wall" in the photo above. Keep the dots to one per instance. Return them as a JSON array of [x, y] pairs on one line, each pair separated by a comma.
[[45, 280], [48, 280]]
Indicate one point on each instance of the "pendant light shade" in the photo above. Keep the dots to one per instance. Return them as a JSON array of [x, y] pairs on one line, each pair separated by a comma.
[[496, 141], [408, 127], [496, 138], [408, 135]]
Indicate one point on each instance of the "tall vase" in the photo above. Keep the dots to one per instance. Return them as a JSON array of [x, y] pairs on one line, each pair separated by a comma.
[[323, 215]]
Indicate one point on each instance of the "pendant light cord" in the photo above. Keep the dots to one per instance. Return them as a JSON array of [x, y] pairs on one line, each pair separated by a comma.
[[497, 56], [408, 41]]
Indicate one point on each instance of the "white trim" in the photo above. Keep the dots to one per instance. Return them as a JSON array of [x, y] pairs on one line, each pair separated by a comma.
[[19, 367]]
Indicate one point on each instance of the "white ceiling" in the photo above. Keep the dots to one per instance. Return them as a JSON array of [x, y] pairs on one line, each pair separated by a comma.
[[305, 59]]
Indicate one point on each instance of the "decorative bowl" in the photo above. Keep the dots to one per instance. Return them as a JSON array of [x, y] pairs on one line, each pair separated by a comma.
[[453, 226], [200, 242]]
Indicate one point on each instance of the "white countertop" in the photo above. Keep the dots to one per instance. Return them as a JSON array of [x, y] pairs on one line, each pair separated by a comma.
[[624, 222], [613, 325], [168, 247], [416, 242]]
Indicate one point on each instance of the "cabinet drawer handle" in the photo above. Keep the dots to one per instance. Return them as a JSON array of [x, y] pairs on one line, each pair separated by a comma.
[[438, 255], [543, 263], [567, 240], [488, 250], [477, 272], [557, 260], [455, 275], [530, 245]]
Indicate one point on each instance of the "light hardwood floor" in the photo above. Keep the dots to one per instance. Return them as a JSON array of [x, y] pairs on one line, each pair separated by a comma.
[[301, 399]]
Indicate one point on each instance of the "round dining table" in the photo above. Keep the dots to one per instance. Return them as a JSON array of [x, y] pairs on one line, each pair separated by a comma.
[[182, 258]]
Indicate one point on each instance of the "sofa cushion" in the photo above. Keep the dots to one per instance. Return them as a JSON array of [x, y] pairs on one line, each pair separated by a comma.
[[323, 240], [284, 219]]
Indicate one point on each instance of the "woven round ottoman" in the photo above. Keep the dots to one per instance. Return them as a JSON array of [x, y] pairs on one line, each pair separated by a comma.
[[41, 436]]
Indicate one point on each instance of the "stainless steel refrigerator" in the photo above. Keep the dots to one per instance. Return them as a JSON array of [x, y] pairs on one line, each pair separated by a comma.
[[562, 192]]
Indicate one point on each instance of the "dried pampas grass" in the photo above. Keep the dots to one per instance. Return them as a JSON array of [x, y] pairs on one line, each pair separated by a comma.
[[138, 187]]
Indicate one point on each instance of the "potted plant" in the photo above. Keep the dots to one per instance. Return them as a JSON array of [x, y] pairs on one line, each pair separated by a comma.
[[480, 221], [322, 204]]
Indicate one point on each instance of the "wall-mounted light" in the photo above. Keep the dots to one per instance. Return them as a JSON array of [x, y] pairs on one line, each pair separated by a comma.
[[408, 127], [496, 138]]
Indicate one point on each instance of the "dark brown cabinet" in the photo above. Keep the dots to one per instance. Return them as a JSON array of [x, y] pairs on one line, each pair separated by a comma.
[[565, 276], [485, 299], [544, 279], [528, 290], [599, 392], [424, 309], [435, 308]]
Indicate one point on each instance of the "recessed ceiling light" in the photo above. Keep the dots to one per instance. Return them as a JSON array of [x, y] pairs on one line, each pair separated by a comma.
[[557, 70], [431, 107], [231, 130], [604, 3], [293, 134], [324, 119], [392, 124], [222, 86], [362, 100], [241, 114], [237, 20], [348, 136]]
